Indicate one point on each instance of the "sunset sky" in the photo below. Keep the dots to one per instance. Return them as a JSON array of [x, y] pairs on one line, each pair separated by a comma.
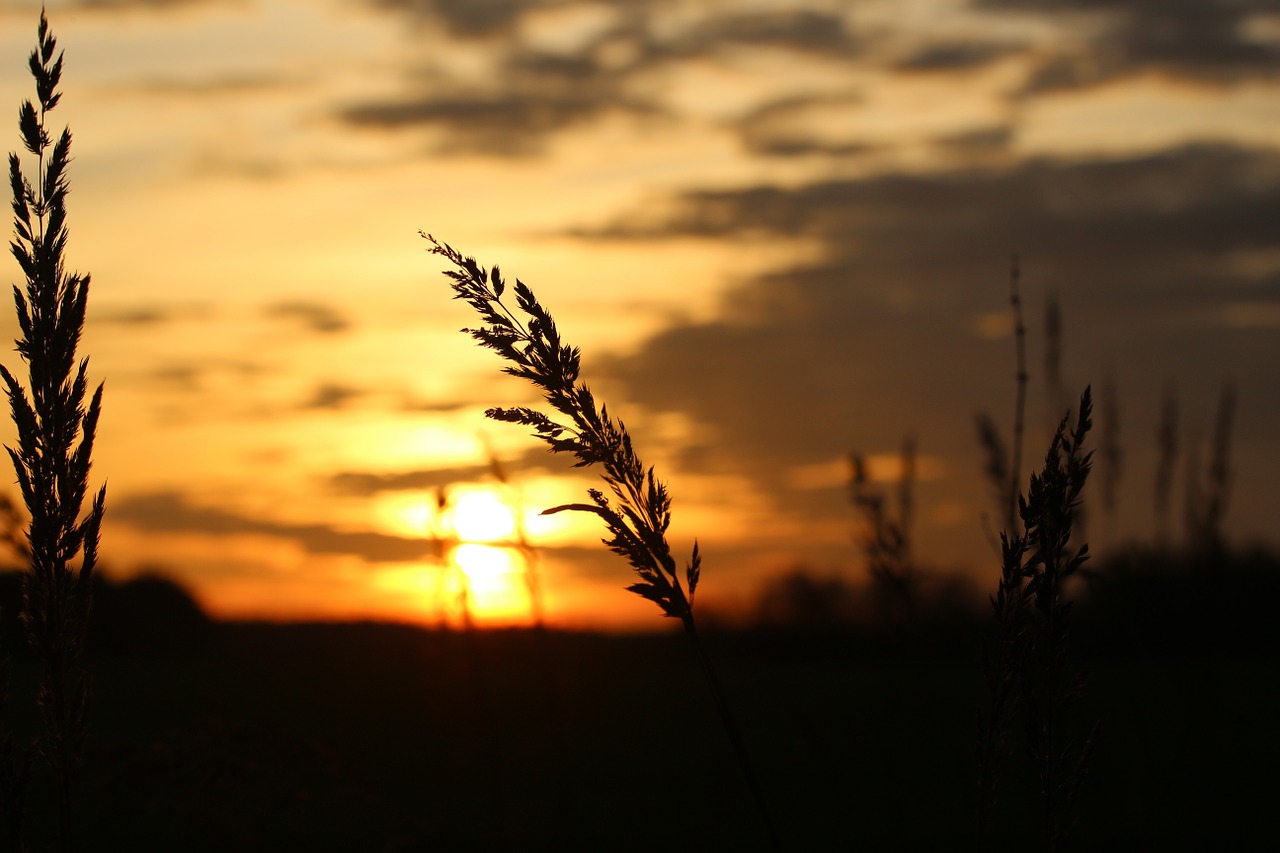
[[780, 231]]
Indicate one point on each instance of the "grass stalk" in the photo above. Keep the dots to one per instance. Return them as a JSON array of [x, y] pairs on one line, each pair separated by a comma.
[[56, 431], [885, 536], [1167, 461], [1207, 508], [1004, 465], [1030, 676], [1020, 402], [637, 513]]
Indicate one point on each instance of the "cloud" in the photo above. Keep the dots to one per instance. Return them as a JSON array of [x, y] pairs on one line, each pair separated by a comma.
[[230, 84], [778, 128], [1205, 40], [186, 377], [314, 316], [883, 333], [801, 30], [468, 18], [510, 124], [534, 94], [173, 512], [953, 56], [366, 484], [331, 396], [194, 375], [133, 316], [150, 315], [146, 5]]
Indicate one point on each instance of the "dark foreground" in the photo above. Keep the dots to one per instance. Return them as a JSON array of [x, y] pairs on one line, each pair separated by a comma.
[[255, 737]]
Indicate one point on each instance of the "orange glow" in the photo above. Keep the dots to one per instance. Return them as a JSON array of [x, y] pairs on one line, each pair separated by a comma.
[[481, 574]]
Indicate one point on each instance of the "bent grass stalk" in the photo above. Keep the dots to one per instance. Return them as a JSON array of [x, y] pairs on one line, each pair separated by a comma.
[[638, 512]]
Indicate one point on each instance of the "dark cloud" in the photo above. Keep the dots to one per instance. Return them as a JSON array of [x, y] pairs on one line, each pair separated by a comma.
[[315, 316], [802, 30], [777, 129], [466, 17], [953, 56], [151, 315], [988, 140], [173, 512], [882, 335], [1201, 39], [331, 395], [534, 95], [510, 124], [135, 316]]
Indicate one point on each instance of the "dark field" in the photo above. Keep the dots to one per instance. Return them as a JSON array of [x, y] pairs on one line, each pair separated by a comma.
[[382, 737]]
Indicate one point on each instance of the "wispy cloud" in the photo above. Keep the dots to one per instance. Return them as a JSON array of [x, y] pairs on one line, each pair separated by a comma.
[[1206, 40], [534, 93], [953, 56], [466, 17], [331, 396], [174, 512], [314, 316], [228, 84], [368, 484]]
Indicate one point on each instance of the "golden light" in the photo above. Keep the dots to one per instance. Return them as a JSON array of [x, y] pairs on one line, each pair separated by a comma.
[[482, 516], [488, 569]]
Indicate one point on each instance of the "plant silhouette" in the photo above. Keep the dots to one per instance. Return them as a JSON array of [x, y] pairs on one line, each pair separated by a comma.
[[56, 430]]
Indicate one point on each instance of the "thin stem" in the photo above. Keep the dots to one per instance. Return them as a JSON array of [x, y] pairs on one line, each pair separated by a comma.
[[731, 729], [1020, 403]]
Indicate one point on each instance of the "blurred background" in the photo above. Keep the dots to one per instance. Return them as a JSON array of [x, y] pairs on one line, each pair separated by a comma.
[[780, 231]]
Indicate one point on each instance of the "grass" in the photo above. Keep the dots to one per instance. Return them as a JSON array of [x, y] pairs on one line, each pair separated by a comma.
[[261, 737], [55, 427], [1030, 676], [884, 534], [639, 512]]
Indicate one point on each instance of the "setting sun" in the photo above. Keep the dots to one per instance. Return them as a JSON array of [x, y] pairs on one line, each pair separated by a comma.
[[482, 516]]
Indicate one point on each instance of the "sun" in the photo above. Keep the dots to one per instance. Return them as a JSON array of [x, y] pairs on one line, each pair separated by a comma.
[[485, 565], [482, 516]]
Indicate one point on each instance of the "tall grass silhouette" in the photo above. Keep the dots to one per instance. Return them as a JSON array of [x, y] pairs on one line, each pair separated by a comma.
[[638, 513], [1030, 679], [1030, 676], [55, 430], [885, 532], [1004, 465]]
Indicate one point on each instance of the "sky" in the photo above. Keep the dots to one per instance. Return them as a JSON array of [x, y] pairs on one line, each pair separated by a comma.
[[780, 231]]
